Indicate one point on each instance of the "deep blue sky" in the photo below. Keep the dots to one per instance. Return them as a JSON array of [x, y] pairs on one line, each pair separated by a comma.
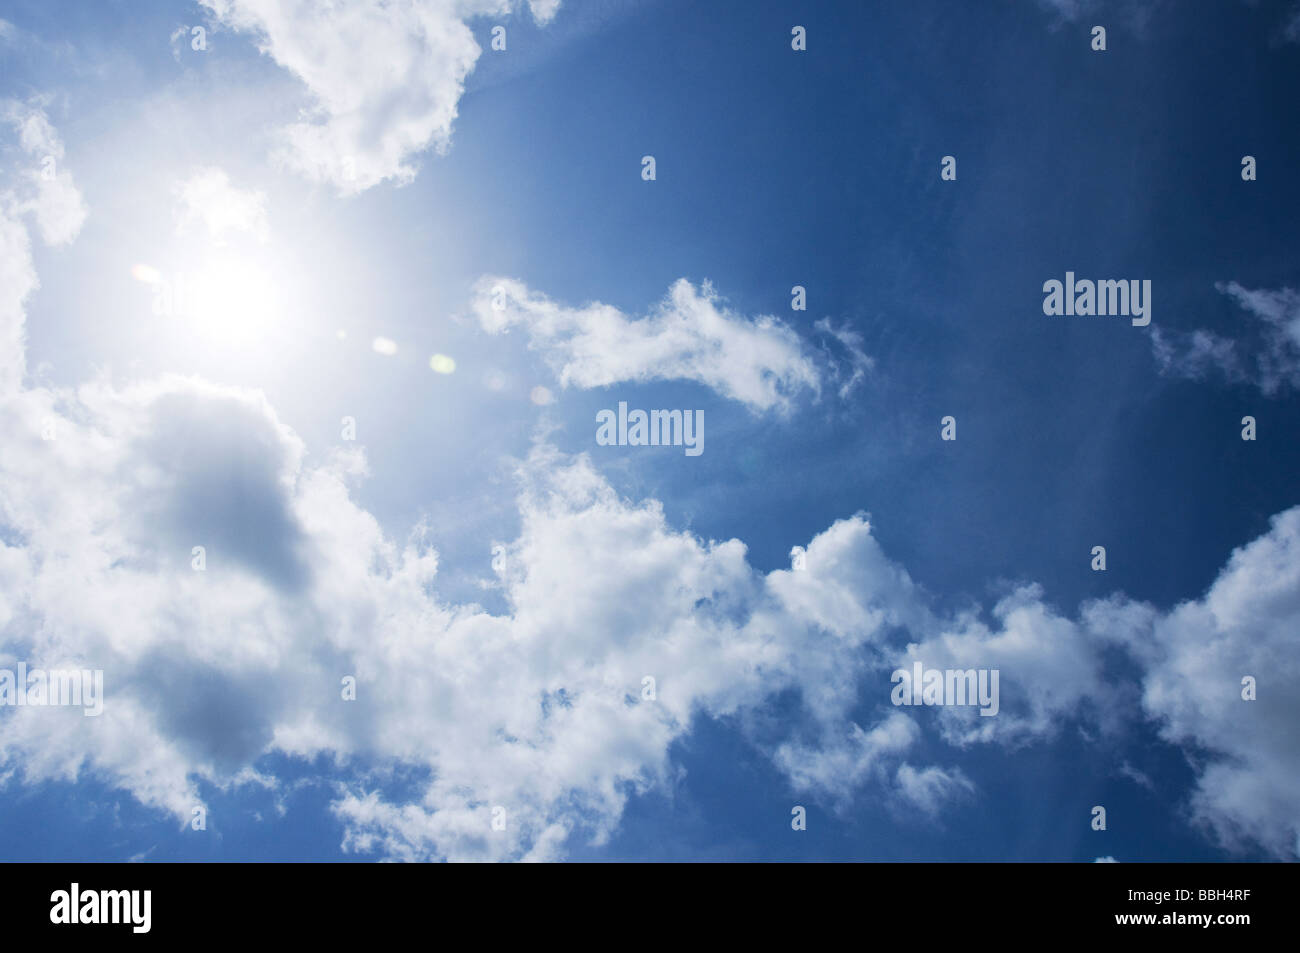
[[774, 169]]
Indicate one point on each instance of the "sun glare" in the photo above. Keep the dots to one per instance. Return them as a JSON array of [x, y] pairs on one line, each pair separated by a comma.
[[227, 300], [233, 301]]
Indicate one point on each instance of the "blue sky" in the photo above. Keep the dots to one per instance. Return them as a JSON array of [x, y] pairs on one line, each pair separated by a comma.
[[325, 197]]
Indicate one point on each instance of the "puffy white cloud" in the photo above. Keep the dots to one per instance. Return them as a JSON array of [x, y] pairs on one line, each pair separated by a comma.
[[385, 77], [1192, 660], [1265, 354], [207, 201], [539, 709], [691, 335], [1247, 624], [1049, 668], [544, 10]]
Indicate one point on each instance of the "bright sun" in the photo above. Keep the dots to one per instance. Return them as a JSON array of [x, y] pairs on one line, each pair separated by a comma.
[[232, 300], [228, 300]]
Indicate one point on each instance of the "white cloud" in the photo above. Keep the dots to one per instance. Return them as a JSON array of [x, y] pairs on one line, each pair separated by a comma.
[[843, 762], [846, 763], [1247, 753], [17, 281], [858, 361], [1193, 659], [1265, 353], [1194, 354], [538, 709], [385, 78], [932, 788], [43, 189], [207, 201], [46, 189], [544, 10], [691, 335], [180, 35], [1049, 669]]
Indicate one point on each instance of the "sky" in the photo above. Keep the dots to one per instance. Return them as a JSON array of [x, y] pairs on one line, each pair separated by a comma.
[[309, 314]]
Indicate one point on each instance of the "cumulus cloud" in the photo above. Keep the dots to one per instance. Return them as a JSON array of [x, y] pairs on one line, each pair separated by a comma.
[[1193, 660], [544, 709], [1195, 657], [207, 201], [690, 335], [540, 710], [1051, 664], [544, 10], [1265, 354], [385, 78]]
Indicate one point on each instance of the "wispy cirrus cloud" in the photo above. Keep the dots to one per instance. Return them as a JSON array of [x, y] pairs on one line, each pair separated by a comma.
[[1291, 26], [1265, 354], [42, 188], [208, 202]]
